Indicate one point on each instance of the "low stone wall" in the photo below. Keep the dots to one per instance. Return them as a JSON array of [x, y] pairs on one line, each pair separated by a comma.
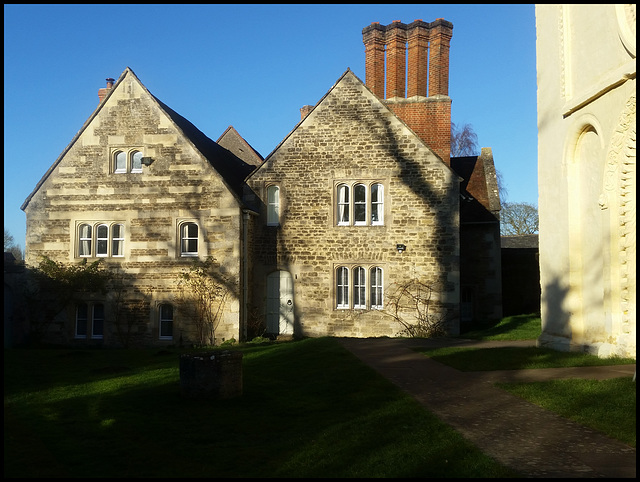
[[215, 375]]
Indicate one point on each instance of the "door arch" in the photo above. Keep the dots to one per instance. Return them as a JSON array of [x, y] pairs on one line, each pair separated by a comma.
[[280, 303]]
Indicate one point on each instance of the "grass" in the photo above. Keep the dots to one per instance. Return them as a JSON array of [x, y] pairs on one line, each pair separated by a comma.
[[608, 406], [518, 327], [516, 358], [309, 409]]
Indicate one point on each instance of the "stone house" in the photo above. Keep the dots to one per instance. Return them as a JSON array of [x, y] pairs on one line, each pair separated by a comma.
[[586, 64], [360, 198]]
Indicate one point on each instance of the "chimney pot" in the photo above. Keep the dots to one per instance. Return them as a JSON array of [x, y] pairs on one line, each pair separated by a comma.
[[109, 82]]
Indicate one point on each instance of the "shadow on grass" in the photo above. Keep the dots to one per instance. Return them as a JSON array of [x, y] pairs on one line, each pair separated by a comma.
[[517, 327]]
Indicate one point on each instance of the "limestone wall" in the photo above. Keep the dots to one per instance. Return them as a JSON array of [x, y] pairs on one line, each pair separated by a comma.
[[351, 137], [587, 176], [179, 185]]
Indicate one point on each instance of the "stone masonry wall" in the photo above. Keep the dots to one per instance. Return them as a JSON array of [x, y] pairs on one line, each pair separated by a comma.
[[349, 137], [179, 185]]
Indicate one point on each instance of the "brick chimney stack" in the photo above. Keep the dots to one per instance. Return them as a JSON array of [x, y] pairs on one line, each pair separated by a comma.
[[396, 59], [102, 93], [417, 58]]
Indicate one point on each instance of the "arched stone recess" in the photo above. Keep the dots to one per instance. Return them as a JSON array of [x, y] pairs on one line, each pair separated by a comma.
[[584, 152]]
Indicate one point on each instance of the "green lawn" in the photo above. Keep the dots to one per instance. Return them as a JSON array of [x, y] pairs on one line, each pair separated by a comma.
[[309, 409]]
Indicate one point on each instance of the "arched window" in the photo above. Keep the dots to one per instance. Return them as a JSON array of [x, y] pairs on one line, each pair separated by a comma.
[[117, 240], [136, 161], [375, 280], [189, 239], [364, 208], [120, 162], [377, 204], [102, 240], [84, 246], [360, 204], [343, 204], [342, 287], [165, 321], [359, 288], [273, 206]]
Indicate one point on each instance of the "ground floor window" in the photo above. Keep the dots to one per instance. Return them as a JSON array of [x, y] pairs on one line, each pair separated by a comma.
[[89, 320], [166, 321], [359, 287]]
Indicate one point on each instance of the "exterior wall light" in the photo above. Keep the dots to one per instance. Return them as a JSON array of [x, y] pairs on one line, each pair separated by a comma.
[[401, 248], [147, 161]]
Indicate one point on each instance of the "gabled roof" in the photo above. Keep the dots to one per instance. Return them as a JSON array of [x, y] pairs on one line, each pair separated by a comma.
[[232, 169], [234, 142], [521, 241], [374, 98], [479, 202]]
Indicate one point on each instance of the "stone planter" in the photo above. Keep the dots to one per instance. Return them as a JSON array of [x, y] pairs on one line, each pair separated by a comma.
[[216, 375]]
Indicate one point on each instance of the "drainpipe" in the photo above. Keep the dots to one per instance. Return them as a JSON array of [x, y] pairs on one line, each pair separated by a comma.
[[244, 305]]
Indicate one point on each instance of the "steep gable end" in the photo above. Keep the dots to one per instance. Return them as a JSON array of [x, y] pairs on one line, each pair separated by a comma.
[[234, 142], [124, 108], [351, 112]]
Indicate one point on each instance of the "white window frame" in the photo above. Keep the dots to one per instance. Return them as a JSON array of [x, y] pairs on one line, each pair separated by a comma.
[[376, 277], [342, 287], [119, 162], [104, 240], [136, 161], [359, 288], [344, 204], [185, 237], [117, 229], [273, 205], [351, 210], [88, 243], [163, 320], [359, 189], [377, 206], [83, 240]]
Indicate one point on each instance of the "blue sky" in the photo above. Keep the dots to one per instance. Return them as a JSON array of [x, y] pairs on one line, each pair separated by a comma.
[[252, 67]]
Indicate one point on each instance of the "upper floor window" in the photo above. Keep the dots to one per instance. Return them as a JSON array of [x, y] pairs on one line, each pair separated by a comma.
[[120, 162], [100, 240], [360, 204], [127, 161], [136, 161], [189, 239], [359, 287], [273, 206]]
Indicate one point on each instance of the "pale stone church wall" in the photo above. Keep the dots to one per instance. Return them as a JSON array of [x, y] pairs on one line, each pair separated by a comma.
[[587, 176]]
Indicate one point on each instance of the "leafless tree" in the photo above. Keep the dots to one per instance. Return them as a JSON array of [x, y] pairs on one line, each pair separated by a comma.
[[412, 303], [11, 247], [518, 218], [464, 141], [204, 294]]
